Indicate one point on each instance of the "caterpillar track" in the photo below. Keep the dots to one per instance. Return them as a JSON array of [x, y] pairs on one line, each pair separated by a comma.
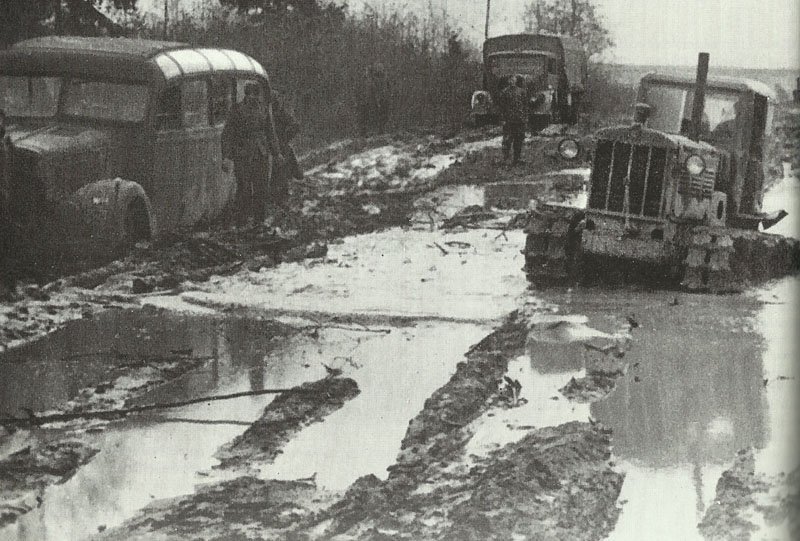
[[708, 260], [553, 244], [722, 260], [704, 259]]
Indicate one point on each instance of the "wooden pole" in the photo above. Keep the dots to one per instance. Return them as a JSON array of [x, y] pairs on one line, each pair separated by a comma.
[[166, 18], [115, 414]]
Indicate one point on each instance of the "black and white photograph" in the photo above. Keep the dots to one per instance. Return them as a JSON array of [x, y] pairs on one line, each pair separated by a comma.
[[424, 270]]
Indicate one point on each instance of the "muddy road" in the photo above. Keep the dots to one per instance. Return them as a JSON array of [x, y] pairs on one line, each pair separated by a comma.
[[433, 393]]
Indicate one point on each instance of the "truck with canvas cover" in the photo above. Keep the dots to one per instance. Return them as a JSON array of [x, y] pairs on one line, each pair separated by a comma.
[[678, 191], [554, 68]]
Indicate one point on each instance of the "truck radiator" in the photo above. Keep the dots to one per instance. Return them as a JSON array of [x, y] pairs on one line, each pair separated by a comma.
[[644, 165]]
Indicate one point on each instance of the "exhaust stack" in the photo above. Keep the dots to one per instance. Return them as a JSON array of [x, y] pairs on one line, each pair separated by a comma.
[[699, 95]]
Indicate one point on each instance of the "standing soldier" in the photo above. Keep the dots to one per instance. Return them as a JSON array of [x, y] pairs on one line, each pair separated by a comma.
[[373, 102], [7, 232], [502, 107], [287, 128], [514, 107], [250, 139]]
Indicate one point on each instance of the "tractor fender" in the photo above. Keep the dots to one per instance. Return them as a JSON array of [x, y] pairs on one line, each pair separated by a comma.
[[103, 208]]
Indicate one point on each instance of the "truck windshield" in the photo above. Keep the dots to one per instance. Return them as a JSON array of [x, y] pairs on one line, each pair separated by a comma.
[[25, 96], [531, 65], [105, 101], [671, 111]]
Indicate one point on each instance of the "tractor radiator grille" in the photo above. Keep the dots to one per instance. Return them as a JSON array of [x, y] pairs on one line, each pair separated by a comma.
[[645, 166]]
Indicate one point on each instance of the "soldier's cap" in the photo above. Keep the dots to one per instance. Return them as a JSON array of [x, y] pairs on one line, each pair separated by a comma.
[[251, 89]]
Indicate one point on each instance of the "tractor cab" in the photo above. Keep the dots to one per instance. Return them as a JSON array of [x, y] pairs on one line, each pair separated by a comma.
[[736, 117]]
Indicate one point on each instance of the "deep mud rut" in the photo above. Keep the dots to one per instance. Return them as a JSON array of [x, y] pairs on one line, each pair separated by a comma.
[[461, 404]]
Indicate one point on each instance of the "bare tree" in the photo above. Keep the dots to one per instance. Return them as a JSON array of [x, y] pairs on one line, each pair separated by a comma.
[[577, 18]]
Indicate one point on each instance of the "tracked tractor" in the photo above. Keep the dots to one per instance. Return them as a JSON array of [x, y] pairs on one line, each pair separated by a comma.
[[678, 192]]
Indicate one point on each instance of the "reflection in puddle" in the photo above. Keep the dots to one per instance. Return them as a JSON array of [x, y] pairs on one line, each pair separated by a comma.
[[141, 459], [693, 396]]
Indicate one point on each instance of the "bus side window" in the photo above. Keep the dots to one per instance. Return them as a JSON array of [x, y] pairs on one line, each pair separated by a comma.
[[240, 84], [194, 103], [169, 106]]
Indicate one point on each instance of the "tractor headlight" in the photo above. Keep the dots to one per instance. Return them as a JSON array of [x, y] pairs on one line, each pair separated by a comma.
[[695, 165], [569, 149], [481, 98]]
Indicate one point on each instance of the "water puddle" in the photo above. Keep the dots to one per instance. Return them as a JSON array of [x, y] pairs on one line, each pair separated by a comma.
[[168, 454], [143, 458], [694, 394], [396, 375], [541, 405]]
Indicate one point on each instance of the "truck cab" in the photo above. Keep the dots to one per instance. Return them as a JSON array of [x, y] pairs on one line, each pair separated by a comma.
[[554, 69]]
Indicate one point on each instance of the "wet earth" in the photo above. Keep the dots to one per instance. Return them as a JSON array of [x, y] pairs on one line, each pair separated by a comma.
[[423, 390]]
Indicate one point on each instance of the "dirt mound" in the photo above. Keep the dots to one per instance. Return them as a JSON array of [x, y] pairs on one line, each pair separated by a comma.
[[555, 483], [285, 416], [26, 473], [244, 508], [746, 500]]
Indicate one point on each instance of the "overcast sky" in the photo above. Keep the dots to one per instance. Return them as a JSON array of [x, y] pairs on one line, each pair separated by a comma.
[[744, 33]]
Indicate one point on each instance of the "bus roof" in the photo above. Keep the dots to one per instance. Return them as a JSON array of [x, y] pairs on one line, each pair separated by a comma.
[[121, 58]]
